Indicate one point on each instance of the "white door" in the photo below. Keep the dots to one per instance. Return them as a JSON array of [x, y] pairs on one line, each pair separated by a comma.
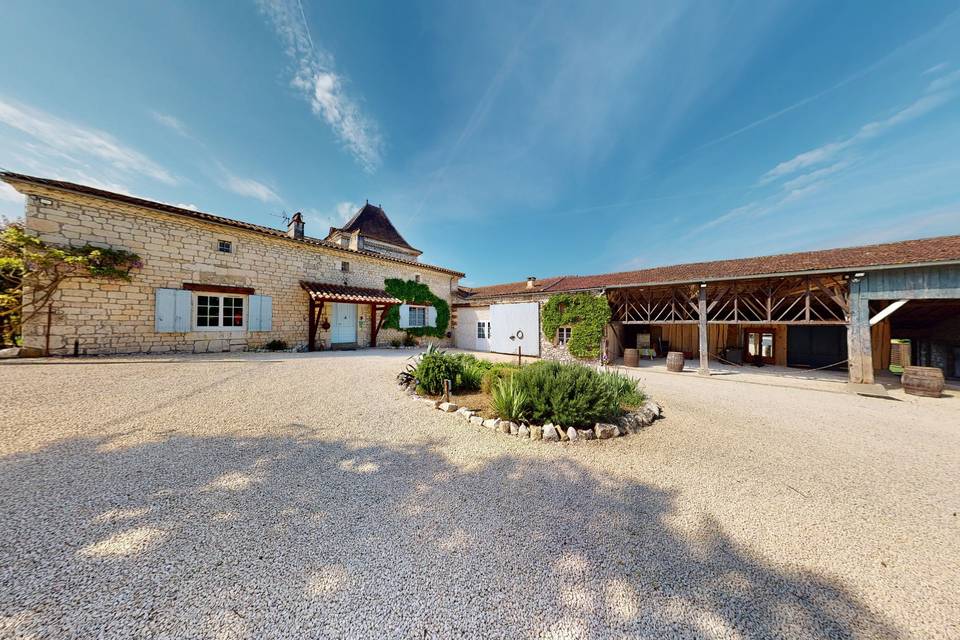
[[514, 326], [344, 329]]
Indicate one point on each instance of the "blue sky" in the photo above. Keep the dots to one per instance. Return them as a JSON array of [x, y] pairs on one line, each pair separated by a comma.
[[505, 139]]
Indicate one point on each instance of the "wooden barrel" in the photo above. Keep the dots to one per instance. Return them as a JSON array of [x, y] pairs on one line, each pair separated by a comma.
[[675, 361], [631, 357], [922, 381]]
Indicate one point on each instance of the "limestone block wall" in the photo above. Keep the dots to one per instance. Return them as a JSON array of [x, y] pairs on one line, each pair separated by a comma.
[[119, 317]]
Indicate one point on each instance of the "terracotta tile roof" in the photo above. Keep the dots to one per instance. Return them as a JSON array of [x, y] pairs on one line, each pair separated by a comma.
[[11, 177], [372, 222], [343, 293], [927, 250]]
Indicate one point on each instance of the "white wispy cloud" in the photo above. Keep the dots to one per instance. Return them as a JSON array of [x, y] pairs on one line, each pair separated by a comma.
[[334, 217], [77, 143], [937, 68], [316, 78], [249, 188], [829, 151], [944, 82], [806, 179], [9, 194], [171, 122], [187, 205]]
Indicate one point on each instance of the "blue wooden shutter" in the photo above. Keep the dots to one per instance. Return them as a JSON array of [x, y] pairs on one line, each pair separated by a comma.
[[183, 314], [260, 313], [173, 311], [404, 316], [165, 310], [431, 316], [253, 313]]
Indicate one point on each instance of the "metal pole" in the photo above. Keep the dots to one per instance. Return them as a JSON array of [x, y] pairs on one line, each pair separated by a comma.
[[519, 356]]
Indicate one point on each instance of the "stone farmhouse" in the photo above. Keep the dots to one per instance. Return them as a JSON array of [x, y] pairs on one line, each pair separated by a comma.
[[211, 284]]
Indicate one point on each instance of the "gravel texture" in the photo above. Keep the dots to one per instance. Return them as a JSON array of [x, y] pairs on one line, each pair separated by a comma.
[[304, 495]]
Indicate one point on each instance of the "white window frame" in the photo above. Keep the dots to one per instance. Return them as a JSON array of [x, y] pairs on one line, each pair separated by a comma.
[[225, 243], [482, 330], [221, 296], [422, 310], [564, 339]]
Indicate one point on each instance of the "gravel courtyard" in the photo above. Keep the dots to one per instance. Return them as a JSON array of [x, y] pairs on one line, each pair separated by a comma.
[[302, 495]]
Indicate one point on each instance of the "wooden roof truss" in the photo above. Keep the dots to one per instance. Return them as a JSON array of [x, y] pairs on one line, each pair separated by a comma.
[[788, 300]]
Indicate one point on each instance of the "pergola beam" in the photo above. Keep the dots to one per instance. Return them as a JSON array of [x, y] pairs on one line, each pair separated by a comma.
[[886, 311]]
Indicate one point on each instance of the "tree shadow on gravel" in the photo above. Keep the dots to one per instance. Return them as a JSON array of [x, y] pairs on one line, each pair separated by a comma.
[[303, 537]]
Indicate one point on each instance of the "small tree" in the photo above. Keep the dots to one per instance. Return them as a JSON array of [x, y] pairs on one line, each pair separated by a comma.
[[27, 262]]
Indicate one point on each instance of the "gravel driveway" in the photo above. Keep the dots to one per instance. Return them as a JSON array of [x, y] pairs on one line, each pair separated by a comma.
[[302, 495]]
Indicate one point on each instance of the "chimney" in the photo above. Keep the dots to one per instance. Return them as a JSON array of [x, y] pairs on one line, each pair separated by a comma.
[[531, 280], [295, 227]]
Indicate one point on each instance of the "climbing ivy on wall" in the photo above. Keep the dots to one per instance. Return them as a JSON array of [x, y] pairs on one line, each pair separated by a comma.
[[585, 314], [416, 293]]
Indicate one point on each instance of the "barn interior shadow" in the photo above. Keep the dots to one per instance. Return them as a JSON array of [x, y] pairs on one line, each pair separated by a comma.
[[317, 537]]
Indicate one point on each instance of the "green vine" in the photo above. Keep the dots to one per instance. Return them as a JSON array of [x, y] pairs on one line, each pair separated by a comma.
[[585, 314], [416, 293], [26, 261]]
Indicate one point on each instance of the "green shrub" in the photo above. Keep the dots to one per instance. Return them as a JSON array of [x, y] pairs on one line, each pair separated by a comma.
[[495, 373], [571, 395], [276, 345], [626, 389], [471, 374], [395, 343], [509, 400], [409, 340], [433, 368]]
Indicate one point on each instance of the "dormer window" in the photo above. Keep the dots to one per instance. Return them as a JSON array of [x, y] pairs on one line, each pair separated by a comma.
[[225, 246]]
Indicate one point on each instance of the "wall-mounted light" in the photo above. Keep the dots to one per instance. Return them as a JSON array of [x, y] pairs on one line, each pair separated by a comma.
[[859, 275]]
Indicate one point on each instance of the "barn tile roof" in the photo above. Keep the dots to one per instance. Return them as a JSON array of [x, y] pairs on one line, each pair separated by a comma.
[[907, 252], [11, 177], [344, 293], [372, 222]]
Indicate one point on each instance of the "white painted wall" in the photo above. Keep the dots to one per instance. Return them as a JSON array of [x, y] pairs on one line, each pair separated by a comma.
[[465, 335], [515, 325]]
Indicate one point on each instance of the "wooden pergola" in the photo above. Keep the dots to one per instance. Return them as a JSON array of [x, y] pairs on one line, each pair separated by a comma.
[[319, 293]]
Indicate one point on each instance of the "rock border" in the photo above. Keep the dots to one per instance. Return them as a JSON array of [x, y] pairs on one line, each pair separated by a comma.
[[632, 422]]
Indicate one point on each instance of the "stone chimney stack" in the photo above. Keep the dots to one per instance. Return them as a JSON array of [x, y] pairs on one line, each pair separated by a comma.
[[531, 280], [295, 226]]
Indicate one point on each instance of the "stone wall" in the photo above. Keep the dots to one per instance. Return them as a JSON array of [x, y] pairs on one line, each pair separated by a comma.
[[118, 317]]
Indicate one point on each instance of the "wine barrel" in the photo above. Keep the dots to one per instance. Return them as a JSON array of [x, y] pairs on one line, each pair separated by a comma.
[[922, 381], [631, 357], [675, 361]]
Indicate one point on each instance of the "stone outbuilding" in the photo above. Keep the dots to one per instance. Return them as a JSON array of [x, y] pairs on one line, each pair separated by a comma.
[[862, 308]]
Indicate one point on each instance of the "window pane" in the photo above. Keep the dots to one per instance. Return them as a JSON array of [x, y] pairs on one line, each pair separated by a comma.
[[418, 316], [481, 330]]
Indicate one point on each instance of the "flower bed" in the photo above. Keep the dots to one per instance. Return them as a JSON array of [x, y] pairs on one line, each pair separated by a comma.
[[551, 401]]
